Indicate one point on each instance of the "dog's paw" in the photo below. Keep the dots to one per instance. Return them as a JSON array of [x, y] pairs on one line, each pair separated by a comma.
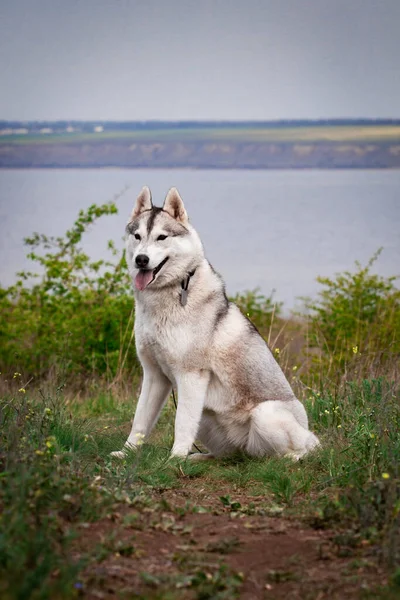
[[176, 459], [200, 456], [124, 453], [118, 454], [295, 456], [178, 454]]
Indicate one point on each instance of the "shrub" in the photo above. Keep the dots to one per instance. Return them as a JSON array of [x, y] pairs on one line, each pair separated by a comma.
[[356, 314], [260, 309], [77, 316]]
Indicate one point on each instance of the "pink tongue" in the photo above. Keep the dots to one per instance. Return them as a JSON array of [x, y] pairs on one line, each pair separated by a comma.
[[143, 278]]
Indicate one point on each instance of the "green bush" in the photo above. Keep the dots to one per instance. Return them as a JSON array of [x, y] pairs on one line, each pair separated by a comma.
[[260, 309], [77, 316], [355, 315], [75, 319]]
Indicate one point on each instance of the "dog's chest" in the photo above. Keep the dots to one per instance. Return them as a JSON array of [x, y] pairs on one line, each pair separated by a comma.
[[174, 346]]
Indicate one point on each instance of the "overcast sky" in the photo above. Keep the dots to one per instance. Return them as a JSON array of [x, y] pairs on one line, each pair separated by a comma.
[[199, 59]]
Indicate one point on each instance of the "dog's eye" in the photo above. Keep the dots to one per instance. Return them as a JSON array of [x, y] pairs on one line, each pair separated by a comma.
[[161, 238], [137, 236]]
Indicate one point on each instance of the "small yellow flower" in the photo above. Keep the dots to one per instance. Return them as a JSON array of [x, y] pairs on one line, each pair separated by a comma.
[[326, 412], [277, 351], [22, 390], [372, 436], [47, 411], [385, 476], [339, 427], [139, 439], [39, 452], [16, 375], [355, 349], [49, 444], [295, 368]]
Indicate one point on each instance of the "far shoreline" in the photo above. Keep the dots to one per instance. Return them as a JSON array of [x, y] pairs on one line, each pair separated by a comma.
[[191, 168]]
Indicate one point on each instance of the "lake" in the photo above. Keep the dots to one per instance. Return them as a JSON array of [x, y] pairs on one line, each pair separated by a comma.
[[266, 229]]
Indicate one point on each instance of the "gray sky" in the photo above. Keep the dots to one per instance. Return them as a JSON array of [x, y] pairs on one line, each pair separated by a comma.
[[199, 59]]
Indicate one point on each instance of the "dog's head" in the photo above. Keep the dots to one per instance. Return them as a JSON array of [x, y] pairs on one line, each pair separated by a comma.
[[162, 247]]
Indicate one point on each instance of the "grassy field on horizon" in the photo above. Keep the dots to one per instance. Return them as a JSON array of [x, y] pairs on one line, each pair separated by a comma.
[[283, 134]]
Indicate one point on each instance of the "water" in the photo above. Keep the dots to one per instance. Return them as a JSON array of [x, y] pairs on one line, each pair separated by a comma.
[[267, 229]]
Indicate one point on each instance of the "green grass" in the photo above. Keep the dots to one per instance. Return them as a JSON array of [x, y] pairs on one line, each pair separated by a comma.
[[56, 473]]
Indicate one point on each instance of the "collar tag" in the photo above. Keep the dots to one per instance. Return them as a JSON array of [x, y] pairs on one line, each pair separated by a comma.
[[184, 290], [184, 295]]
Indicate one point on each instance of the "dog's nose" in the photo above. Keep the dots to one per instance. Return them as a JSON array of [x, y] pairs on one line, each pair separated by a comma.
[[142, 261]]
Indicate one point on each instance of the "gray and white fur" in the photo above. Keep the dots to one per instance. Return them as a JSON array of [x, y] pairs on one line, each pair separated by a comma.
[[232, 394]]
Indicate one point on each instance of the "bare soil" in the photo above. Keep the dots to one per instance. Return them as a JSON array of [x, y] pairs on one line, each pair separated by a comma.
[[163, 549]]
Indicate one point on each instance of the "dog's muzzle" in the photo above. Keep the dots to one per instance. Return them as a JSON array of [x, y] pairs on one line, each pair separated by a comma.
[[146, 276]]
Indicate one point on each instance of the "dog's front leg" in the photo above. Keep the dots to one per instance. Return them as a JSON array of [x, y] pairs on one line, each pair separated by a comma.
[[192, 389], [155, 391]]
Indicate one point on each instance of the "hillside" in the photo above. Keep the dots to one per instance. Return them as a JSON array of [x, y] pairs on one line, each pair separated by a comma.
[[251, 145]]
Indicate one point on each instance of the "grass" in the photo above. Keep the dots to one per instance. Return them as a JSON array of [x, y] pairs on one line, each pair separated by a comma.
[[57, 475]]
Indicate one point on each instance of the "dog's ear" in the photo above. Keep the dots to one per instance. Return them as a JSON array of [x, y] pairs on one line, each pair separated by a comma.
[[173, 205], [143, 203]]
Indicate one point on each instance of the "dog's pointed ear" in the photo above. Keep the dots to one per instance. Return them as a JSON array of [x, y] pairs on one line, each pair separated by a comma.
[[143, 202], [173, 205]]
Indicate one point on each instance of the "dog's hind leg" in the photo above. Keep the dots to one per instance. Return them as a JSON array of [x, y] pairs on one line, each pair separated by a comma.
[[310, 442], [275, 431]]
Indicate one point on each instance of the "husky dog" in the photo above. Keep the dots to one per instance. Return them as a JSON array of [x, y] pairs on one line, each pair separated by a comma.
[[232, 394]]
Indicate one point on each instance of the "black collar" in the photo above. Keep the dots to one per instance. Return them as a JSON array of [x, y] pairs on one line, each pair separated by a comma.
[[184, 286]]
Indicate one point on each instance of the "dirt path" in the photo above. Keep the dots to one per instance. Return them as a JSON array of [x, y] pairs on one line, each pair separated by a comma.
[[164, 550]]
